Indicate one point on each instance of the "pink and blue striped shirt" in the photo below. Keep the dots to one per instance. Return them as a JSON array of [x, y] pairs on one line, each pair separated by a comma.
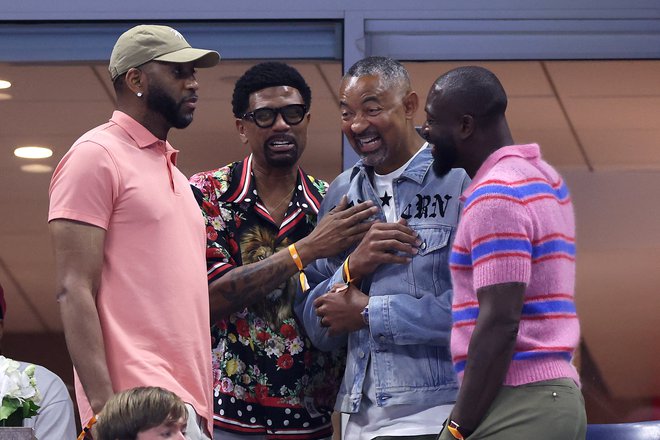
[[518, 226]]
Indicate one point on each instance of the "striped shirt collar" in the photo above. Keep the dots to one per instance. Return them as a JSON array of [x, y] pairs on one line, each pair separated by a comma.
[[243, 189]]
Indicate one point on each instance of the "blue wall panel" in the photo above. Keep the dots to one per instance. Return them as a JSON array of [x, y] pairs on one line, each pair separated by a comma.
[[48, 42]]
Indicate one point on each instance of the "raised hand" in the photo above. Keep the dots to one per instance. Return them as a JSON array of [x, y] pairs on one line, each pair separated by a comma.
[[341, 228], [384, 243]]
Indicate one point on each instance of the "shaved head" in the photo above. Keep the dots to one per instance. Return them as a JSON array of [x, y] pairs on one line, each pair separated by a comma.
[[465, 118], [473, 90]]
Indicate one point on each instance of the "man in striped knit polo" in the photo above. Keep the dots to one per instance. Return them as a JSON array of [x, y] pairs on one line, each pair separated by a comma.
[[515, 326]]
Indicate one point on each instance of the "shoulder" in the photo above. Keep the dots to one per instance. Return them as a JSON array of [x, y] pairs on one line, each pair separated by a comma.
[[45, 378], [506, 178], [504, 193], [339, 186], [343, 180], [216, 180], [87, 160], [456, 180], [320, 185], [96, 147], [105, 135]]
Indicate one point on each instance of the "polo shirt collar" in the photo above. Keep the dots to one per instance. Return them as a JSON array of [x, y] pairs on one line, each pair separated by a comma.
[[143, 138], [526, 151]]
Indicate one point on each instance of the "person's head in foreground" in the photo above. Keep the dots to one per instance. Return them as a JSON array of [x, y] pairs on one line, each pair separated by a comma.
[[142, 413]]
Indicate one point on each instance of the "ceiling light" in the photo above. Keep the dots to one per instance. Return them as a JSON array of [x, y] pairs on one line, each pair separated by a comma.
[[4, 84], [32, 152], [36, 168]]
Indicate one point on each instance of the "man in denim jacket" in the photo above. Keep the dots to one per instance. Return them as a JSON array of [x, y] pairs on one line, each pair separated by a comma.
[[389, 298]]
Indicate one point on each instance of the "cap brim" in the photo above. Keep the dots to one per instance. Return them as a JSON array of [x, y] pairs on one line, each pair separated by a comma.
[[201, 57]]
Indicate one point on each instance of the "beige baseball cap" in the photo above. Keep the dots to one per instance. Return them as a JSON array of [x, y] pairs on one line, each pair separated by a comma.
[[145, 43]]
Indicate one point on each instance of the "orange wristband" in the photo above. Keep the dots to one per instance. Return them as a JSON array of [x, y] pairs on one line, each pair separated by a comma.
[[296, 259], [86, 433], [453, 430], [347, 273]]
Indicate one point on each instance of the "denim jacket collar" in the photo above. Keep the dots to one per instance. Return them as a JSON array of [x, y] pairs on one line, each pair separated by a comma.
[[416, 170]]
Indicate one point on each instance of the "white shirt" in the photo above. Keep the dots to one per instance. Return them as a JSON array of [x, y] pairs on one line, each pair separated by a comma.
[[384, 189], [55, 419], [397, 420]]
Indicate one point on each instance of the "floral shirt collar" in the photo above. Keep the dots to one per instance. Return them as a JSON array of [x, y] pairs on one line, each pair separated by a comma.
[[242, 190]]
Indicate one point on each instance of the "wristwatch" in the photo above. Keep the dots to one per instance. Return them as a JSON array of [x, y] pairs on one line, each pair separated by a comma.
[[365, 314]]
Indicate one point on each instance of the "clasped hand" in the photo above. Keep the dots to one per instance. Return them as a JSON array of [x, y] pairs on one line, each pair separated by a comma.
[[340, 308]]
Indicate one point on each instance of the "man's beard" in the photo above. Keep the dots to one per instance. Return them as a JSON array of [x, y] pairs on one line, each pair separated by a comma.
[[374, 159], [444, 158], [281, 160], [159, 102]]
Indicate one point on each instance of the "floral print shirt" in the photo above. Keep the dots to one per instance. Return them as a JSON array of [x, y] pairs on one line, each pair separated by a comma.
[[268, 378]]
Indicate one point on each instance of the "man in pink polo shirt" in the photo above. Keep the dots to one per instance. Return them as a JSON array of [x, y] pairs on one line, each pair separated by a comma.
[[129, 240], [515, 327]]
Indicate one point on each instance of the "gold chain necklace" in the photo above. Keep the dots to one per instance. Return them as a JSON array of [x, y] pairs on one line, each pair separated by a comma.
[[286, 197]]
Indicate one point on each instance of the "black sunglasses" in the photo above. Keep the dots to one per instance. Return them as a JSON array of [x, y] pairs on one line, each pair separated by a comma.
[[265, 117]]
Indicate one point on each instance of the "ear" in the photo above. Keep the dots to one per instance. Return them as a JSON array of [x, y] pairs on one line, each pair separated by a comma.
[[410, 104], [134, 80], [240, 127], [466, 126]]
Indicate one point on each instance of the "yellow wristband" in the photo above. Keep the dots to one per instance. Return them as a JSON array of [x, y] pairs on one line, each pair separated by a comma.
[[296, 259], [347, 273]]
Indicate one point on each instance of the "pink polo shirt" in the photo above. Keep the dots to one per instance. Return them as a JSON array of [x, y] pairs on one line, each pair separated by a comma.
[[153, 299]]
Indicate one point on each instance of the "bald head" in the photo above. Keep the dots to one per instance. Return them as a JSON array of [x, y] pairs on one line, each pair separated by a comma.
[[465, 118], [472, 90]]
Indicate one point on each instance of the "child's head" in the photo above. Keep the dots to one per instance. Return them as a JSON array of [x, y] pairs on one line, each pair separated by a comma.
[[142, 413]]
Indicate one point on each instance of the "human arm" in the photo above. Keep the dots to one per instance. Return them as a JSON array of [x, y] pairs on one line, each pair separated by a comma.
[[398, 319], [78, 249], [233, 287], [385, 243], [495, 248], [250, 283], [489, 352], [340, 309]]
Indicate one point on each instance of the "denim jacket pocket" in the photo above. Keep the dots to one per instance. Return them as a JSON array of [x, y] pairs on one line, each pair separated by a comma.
[[428, 272]]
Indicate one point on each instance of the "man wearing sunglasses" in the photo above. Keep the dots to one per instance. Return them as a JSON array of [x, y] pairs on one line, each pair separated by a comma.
[[269, 381]]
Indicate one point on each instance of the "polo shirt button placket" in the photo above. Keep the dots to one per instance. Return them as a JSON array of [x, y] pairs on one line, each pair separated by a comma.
[[168, 160]]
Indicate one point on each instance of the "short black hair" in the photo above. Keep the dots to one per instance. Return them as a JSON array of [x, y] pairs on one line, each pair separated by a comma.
[[264, 75], [119, 84], [474, 90]]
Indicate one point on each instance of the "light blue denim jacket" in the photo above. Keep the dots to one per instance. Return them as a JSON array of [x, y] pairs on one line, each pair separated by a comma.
[[409, 305]]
